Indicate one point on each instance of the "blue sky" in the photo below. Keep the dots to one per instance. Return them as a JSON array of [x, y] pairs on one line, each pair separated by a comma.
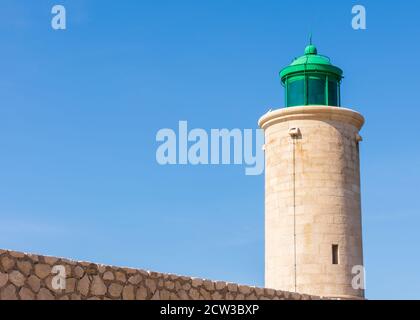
[[80, 109]]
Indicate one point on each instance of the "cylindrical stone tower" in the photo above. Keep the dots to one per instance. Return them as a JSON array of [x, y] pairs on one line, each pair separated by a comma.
[[313, 230]]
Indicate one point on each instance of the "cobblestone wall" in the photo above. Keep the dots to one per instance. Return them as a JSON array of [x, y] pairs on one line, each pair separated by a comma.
[[34, 277]]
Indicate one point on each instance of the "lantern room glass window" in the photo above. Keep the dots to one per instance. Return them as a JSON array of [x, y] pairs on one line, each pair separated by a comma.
[[296, 92], [312, 89], [333, 93], [316, 91]]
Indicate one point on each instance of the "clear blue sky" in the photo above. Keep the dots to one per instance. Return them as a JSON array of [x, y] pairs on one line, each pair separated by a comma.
[[79, 111]]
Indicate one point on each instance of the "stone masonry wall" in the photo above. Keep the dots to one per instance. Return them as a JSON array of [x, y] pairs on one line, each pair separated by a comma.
[[29, 277], [313, 200]]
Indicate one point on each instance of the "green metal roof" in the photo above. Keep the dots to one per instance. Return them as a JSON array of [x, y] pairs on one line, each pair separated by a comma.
[[311, 61]]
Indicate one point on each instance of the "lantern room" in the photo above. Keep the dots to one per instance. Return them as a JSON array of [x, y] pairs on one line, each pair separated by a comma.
[[311, 80]]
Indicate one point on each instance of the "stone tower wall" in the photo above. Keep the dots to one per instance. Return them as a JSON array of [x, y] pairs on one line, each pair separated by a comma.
[[312, 200]]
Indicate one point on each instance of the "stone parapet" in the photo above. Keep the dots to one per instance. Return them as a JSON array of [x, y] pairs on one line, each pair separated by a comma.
[[30, 277]]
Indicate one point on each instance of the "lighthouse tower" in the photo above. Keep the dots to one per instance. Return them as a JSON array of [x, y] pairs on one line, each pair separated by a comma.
[[313, 228]]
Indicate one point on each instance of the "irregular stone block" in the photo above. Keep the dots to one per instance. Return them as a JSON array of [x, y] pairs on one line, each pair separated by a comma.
[[108, 275], [9, 293], [120, 276], [75, 296], [141, 293], [50, 260], [169, 285], [220, 285], [232, 287], [135, 279], [16, 254], [17, 278], [98, 287], [25, 267], [42, 270], [26, 294], [194, 294], [34, 283], [196, 282], [7, 263], [115, 290], [151, 284], [244, 289], [78, 272], [156, 296], [70, 285], [208, 285], [164, 294], [4, 277], [45, 294], [83, 285], [128, 293]]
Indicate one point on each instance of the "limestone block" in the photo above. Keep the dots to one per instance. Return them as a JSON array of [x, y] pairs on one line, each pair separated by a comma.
[[17, 278], [151, 285], [115, 290], [4, 277], [75, 296], [220, 285], [7, 263], [8, 293], [244, 290], [45, 294], [42, 270], [141, 293], [128, 293], [83, 285], [204, 294], [16, 254], [70, 285], [194, 294], [197, 282], [164, 294], [98, 287], [232, 287], [78, 272], [156, 296], [24, 266], [120, 276], [50, 260], [170, 285], [208, 285], [182, 295], [34, 283], [108, 275], [135, 279], [26, 294]]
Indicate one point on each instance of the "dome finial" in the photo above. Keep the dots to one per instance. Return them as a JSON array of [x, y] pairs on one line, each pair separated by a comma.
[[310, 48]]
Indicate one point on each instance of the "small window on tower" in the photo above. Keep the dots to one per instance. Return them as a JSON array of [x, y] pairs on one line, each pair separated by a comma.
[[335, 254]]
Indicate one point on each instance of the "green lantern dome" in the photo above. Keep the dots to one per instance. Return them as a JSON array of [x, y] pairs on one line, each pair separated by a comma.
[[311, 49], [311, 80]]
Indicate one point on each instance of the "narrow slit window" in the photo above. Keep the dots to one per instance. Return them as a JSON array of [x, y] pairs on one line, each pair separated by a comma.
[[335, 254]]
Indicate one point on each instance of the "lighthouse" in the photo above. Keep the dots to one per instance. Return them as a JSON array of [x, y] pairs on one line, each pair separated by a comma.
[[313, 225]]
